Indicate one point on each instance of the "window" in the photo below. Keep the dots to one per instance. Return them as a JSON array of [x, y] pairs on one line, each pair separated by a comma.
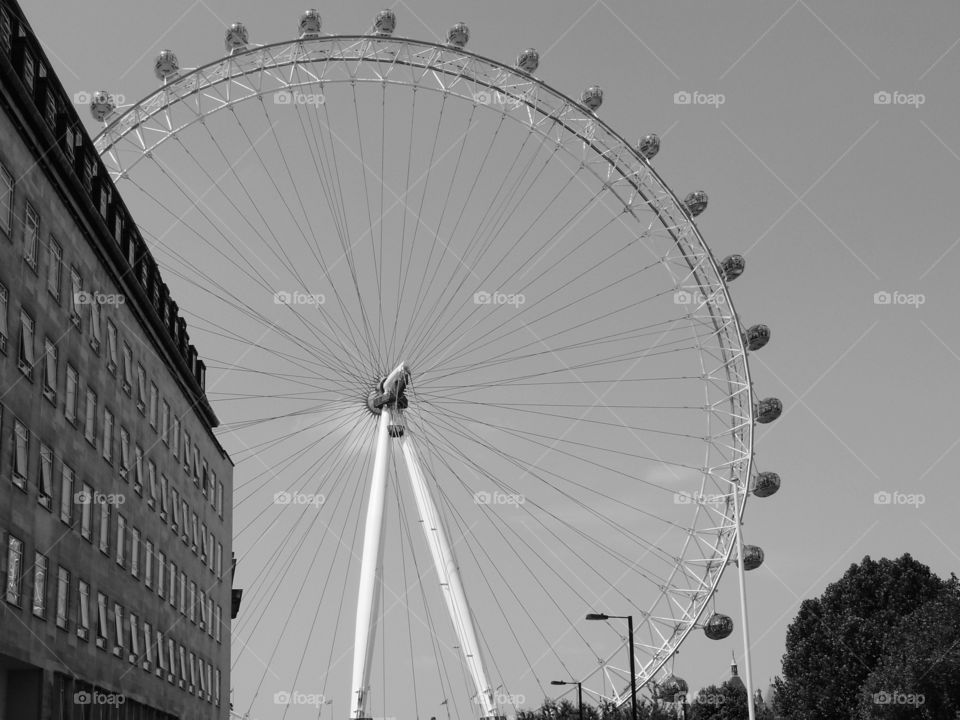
[[203, 679], [203, 542], [171, 658], [40, 585], [4, 313], [128, 370], [175, 438], [217, 616], [6, 200], [90, 420], [25, 357], [186, 452], [193, 602], [93, 300], [219, 564], [182, 653], [63, 596], [211, 544], [134, 552], [161, 572], [21, 454], [165, 423], [203, 610], [70, 406], [83, 610], [31, 236], [29, 70], [45, 486], [49, 369], [86, 511], [185, 514], [152, 484], [172, 584], [142, 395], [147, 645], [108, 436], [194, 532], [205, 479], [134, 638], [213, 488], [124, 453], [55, 268], [117, 628], [193, 671], [148, 563], [66, 494], [76, 293], [111, 347], [164, 496], [164, 661], [183, 593], [121, 540], [176, 510], [154, 400], [104, 526], [138, 469], [14, 570], [216, 687]]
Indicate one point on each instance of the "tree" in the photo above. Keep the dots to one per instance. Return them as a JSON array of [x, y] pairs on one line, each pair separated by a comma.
[[918, 676], [566, 710], [837, 640], [727, 701]]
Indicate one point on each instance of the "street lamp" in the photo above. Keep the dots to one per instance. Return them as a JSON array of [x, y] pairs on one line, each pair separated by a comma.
[[633, 658], [579, 692]]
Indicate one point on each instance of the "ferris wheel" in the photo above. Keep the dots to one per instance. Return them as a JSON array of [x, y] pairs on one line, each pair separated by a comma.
[[480, 374]]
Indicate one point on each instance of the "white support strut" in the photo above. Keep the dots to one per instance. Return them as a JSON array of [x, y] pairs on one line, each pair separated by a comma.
[[449, 576], [369, 595]]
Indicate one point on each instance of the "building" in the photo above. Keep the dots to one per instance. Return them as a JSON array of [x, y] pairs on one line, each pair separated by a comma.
[[115, 495]]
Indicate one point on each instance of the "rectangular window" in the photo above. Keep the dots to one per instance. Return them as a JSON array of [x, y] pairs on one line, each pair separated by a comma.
[[185, 515], [203, 542], [21, 454], [40, 585], [6, 200], [103, 624], [4, 314], [164, 496], [219, 565], [183, 593], [176, 510], [171, 659], [147, 645], [63, 596], [213, 488], [25, 356], [138, 469], [29, 70], [31, 236], [117, 628], [205, 479], [195, 537], [216, 687], [142, 393], [154, 402], [175, 438], [14, 570], [104, 526], [134, 552], [45, 486], [172, 584], [90, 419], [73, 383], [148, 563], [121, 540], [124, 453], [76, 292], [161, 572], [66, 493], [49, 369], [193, 602], [217, 617], [186, 452], [86, 512], [55, 269], [152, 484], [93, 300], [201, 669], [108, 436], [193, 671], [165, 423], [196, 465], [128, 370], [112, 352], [134, 638], [83, 610], [182, 653]]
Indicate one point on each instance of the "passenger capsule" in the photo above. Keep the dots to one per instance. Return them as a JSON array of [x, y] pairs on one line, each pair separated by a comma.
[[166, 65], [672, 689], [732, 267], [592, 97], [718, 626], [767, 410], [458, 35], [756, 336], [766, 484], [102, 105], [752, 557], [236, 37], [385, 23], [695, 203], [528, 60], [310, 23], [395, 431], [649, 146]]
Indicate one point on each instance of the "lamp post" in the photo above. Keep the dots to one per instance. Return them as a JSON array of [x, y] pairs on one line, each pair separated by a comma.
[[579, 692], [633, 658]]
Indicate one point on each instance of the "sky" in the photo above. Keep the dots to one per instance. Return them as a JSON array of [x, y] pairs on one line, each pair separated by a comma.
[[832, 194]]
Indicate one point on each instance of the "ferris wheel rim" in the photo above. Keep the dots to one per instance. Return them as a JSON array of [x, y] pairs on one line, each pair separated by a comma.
[[717, 283]]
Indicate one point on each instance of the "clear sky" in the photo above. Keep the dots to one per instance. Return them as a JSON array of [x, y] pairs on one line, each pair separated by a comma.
[[831, 194]]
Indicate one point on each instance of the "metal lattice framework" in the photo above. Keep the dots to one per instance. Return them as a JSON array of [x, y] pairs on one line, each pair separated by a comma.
[[576, 132]]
